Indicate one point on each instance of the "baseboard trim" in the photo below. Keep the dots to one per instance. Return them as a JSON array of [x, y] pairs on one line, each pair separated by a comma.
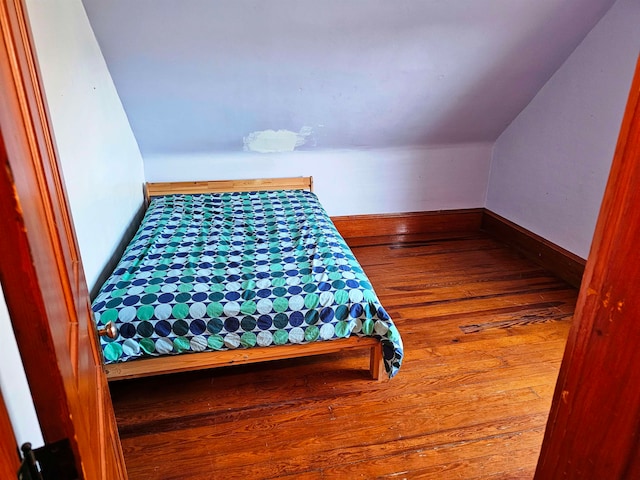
[[357, 229], [548, 255], [394, 224]]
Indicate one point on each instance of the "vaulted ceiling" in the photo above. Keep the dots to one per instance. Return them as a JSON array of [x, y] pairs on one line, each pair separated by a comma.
[[202, 75]]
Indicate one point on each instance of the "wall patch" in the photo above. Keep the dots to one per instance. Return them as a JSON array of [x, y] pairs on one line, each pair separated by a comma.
[[276, 141]]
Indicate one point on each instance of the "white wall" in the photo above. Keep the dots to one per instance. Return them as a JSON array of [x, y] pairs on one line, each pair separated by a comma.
[[100, 159], [13, 384], [550, 166], [350, 182]]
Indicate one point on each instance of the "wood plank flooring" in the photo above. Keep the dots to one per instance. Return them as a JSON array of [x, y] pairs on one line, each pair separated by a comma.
[[484, 331]]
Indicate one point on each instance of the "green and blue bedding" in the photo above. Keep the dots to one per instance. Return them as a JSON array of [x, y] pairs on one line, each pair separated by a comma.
[[238, 270]]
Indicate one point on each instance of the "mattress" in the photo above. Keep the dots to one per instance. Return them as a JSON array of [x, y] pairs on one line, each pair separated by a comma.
[[236, 270]]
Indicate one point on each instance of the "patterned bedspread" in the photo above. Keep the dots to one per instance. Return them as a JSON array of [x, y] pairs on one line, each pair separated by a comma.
[[238, 270]]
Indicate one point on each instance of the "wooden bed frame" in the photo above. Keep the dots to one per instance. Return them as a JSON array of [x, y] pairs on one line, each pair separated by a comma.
[[205, 360]]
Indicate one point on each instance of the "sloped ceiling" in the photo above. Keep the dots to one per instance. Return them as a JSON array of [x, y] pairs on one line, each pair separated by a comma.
[[202, 75]]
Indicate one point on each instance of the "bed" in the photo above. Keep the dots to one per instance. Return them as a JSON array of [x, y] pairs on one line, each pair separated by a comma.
[[234, 272]]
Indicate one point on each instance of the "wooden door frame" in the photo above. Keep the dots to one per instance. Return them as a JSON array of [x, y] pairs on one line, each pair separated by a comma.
[[9, 462], [20, 281], [593, 429], [42, 278]]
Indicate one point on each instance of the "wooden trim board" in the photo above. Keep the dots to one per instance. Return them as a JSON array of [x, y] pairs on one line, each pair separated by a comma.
[[9, 459], [445, 221], [204, 360], [357, 228], [550, 256], [222, 186]]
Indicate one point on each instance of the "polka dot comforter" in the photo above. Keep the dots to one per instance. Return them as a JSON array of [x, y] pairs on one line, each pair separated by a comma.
[[238, 270]]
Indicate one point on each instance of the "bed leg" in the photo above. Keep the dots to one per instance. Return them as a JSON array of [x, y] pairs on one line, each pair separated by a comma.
[[376, 366]]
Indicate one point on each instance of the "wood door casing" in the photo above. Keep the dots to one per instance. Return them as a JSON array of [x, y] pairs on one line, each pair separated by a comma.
[[44, 286], [9, 462]]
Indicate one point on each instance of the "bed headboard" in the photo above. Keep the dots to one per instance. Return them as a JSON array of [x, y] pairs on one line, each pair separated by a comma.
[[221, 186]]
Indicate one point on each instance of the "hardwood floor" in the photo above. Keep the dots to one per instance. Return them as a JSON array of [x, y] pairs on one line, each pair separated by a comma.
[[484, 331]]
